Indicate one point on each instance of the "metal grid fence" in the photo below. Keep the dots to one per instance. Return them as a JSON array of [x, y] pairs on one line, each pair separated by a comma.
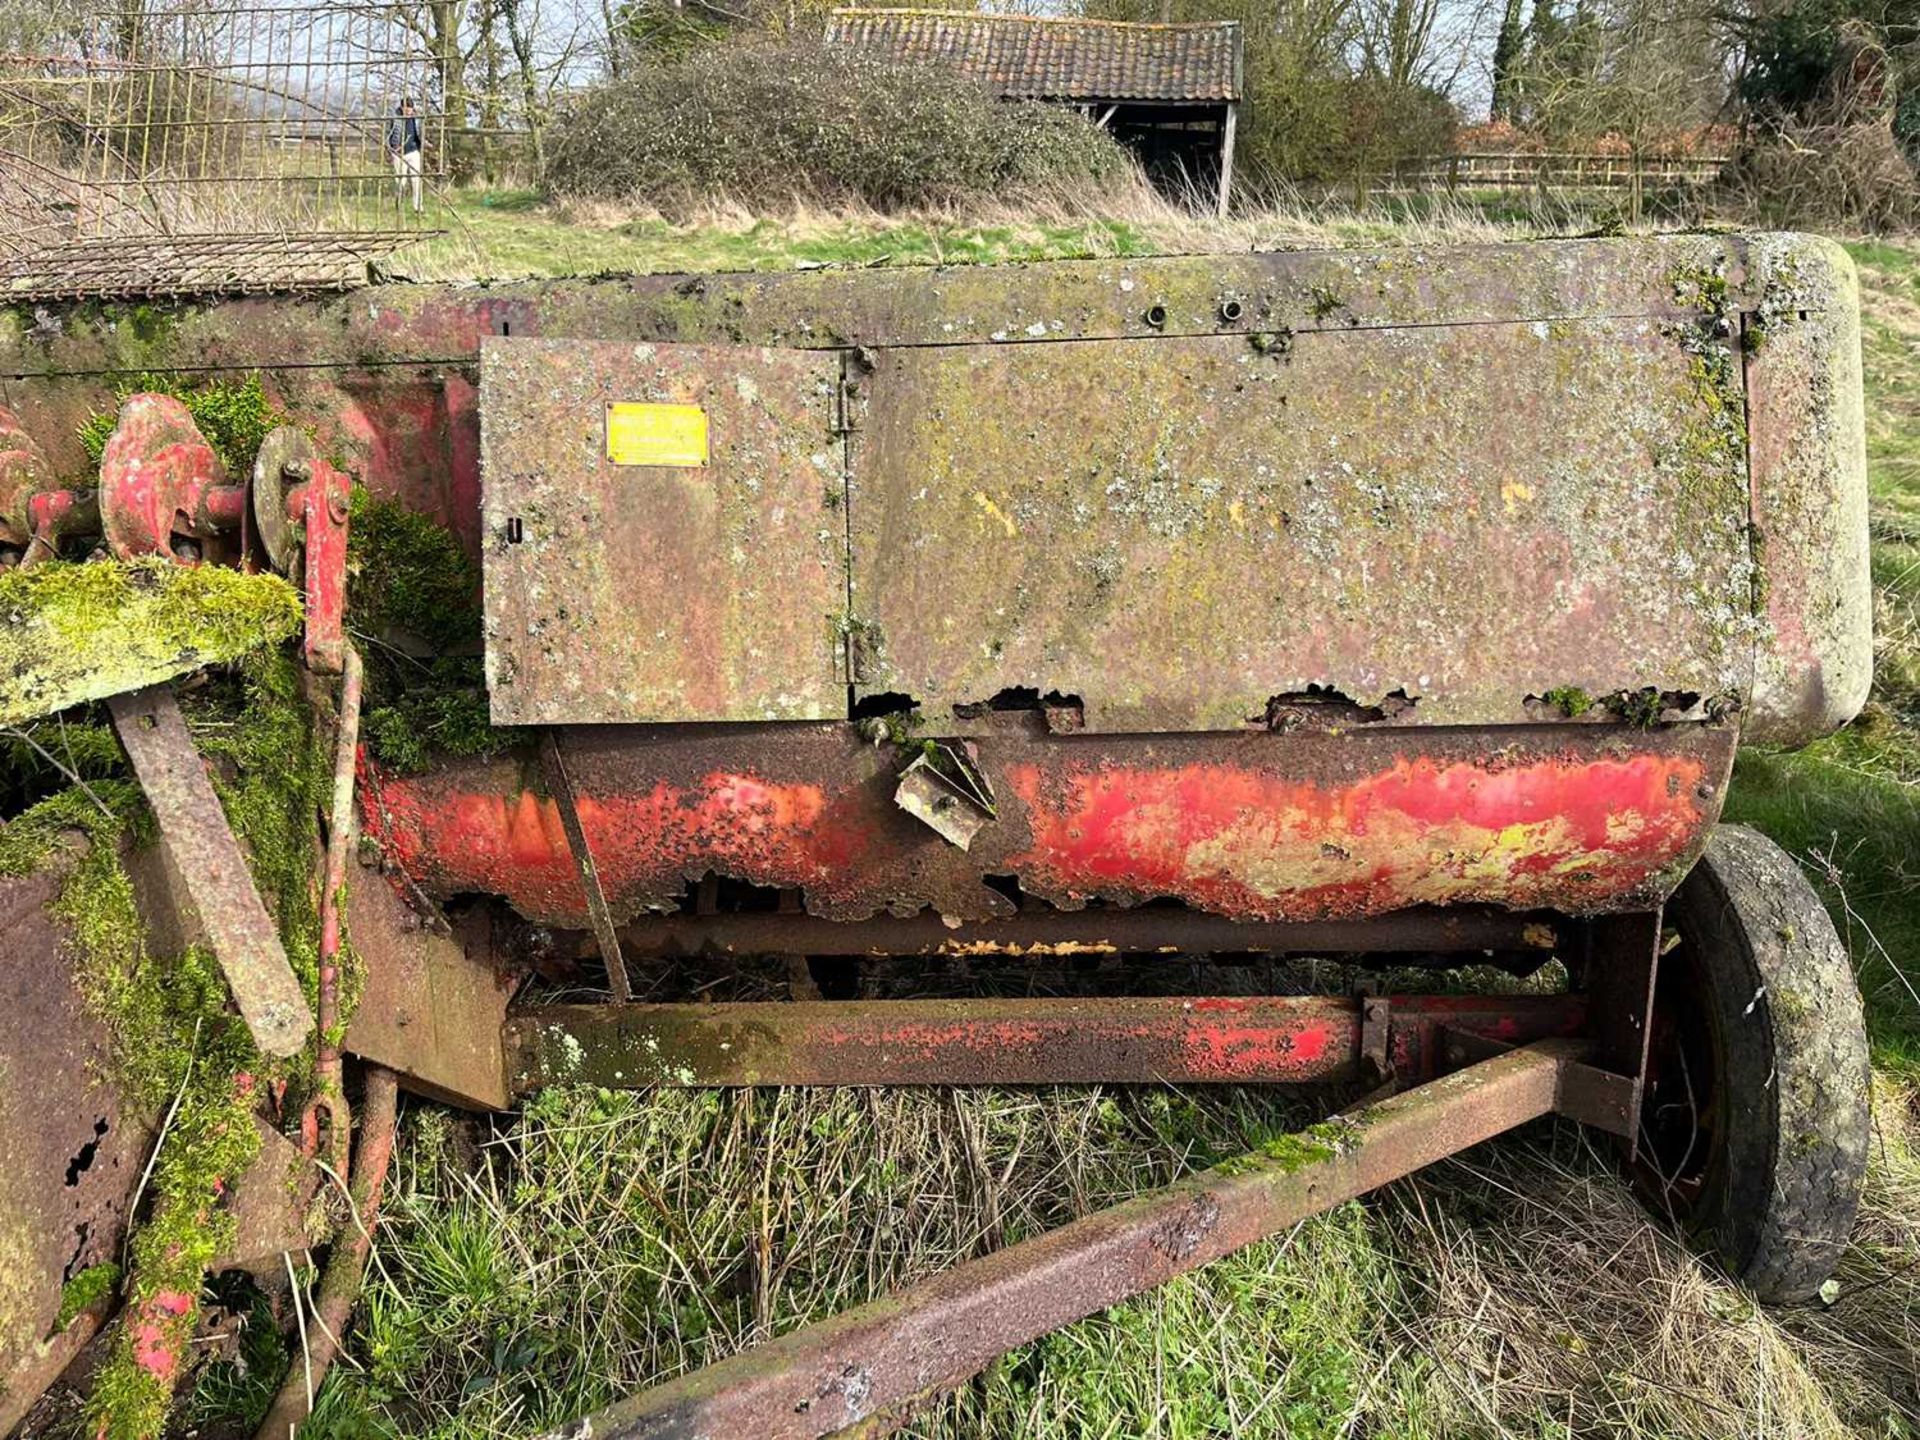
[[155, 146]]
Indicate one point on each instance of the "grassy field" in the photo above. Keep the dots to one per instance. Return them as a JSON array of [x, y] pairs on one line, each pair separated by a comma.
[[602, 1241]]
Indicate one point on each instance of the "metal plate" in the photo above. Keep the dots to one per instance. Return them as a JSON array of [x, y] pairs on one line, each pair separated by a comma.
[[73, 1155], [1177, 531], [661, 592]]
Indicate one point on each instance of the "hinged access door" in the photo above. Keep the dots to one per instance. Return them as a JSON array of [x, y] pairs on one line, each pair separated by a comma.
[[664, 532], [1434, 523]]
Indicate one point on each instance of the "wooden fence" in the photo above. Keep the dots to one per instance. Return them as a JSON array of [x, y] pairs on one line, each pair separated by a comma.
[[1559, 170]]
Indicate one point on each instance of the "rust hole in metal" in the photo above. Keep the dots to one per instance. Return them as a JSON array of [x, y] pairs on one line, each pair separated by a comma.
[[1018, 697], [83, 1159], [1320, 707]]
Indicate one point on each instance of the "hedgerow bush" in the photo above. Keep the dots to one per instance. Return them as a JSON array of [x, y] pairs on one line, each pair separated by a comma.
[[765, 124]]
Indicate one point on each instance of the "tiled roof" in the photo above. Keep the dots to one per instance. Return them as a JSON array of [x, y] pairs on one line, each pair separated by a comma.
[[1047, 58]]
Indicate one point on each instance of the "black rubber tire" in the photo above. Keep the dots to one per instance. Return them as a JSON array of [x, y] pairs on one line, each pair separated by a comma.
[[1760, 988]]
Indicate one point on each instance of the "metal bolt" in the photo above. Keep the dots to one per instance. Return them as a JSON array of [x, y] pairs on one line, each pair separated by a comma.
[[1156, 316], [297, 470], [337, 508]]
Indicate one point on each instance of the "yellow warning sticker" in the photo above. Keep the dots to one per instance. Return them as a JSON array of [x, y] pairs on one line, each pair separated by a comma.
[[640, 434]]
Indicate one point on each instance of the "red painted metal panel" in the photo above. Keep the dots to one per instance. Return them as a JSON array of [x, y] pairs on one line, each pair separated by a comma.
[[1583, 819]]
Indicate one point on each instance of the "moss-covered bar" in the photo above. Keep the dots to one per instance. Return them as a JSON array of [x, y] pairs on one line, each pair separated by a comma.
[[70, 633]]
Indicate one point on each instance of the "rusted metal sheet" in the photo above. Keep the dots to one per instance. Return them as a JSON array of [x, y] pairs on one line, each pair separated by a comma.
[[1178, 532], [1041, 932], [1299, 291], [867, 1363], [388, 378], [432, 1004], [708, 590], [1258, 827], [193, 828], [1177, 1040], [1808, 439], [73, 1153]]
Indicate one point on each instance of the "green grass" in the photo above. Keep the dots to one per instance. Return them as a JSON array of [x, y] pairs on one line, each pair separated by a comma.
[[602, 1242], [514, 233]]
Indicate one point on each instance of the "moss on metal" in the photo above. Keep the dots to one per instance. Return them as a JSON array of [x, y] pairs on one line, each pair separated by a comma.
[[70, 633], [86, 1290], [232, 413], [409, 581], [175, 1040]]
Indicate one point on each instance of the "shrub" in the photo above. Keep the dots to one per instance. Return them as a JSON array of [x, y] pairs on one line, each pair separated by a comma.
[[764, 123]]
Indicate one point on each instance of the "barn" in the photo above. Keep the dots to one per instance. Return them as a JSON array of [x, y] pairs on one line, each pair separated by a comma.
[[1169, 92]]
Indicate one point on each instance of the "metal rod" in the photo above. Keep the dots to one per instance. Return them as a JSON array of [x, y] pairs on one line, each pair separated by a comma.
[[1185, 1040], [329, 1092], [1166, 929], [868, 1364], [555, 767]]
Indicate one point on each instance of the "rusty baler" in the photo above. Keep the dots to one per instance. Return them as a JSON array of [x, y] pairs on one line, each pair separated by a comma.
[[1404, 607]]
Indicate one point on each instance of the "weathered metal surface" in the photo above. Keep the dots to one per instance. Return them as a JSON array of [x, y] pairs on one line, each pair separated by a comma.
[[1808, 439], [1042, 932], [1621, 964], [193, 828], [864, 1364], [1177, 1040], [1299, 292], [268, 1206], [23, 474], [432, 1004], [1582, 819], [1176, 532], [620, 592], [388, 378], [72, 1154], [161, 485]]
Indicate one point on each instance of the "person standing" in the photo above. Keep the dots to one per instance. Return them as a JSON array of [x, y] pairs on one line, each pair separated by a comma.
[[403, 148]]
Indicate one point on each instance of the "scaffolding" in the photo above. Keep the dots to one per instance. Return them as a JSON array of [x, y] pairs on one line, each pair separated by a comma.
[[152, 147]]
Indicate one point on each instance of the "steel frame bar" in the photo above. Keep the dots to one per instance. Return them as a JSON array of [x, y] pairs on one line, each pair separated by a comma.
[[1144, 930], [871, 1364], [1185, 1040]]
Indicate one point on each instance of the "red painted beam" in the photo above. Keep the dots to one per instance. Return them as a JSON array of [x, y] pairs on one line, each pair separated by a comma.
[[1185, 1040]]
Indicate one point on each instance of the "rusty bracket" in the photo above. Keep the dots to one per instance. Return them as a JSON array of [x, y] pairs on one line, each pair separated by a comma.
[[553, 764], [1622, 963], [1376, 1023], [868, 1365], [202, 848]]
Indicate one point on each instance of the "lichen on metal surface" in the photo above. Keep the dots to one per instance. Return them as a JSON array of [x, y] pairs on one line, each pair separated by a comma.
[[1175, 532], [661, 592], [1585, 818], [1815, 658]]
